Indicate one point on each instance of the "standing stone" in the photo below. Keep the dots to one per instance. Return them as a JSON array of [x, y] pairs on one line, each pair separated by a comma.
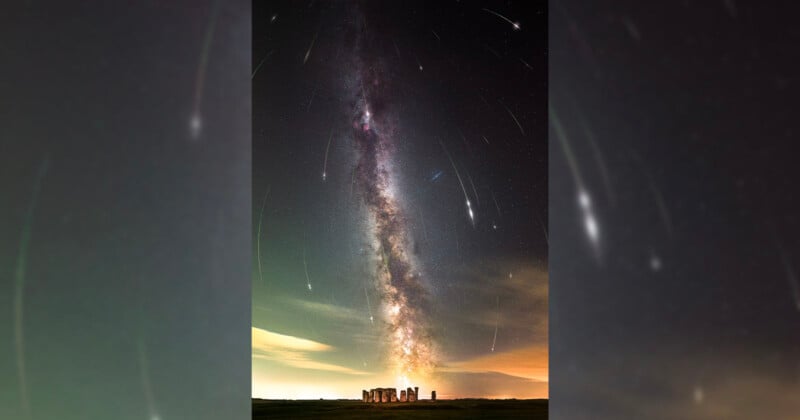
[[393, 394], [433, 395], [410, 395], [403, 397], [416, 393], [384, 395]]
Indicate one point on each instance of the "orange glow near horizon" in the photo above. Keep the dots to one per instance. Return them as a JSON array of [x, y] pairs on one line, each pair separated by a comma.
[[288, 367]]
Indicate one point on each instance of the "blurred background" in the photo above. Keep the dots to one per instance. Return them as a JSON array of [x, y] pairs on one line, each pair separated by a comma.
[[125, 210], [673, 210]]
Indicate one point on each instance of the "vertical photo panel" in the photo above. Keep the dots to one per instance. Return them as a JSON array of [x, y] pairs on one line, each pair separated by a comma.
[[400, 243]]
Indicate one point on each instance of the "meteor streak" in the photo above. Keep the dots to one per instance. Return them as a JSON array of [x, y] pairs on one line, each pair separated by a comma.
[[196, 121], [369, 307], [144, 374], [657, 197], [260, 64], [496, 323], [419, 65], [589, 219], [514, 25], [514, 117], [258, 237], [313, 92], [788, 269], [305, 268], [464, 190], [598, 156], [325, 163], [544, 229], [19, 289], [473, 189], [497, 206], [424, 229], [308, 52]]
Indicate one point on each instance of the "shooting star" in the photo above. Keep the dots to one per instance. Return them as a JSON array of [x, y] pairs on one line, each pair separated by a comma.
[[496, 323], [497, 206], [544, 229], [464, 140], [419, 65], [258, 238], [144, 375], [521, 130], [514, 25], [260, 64], [422, 220], [325, 163], [492, 50], [305, 268], [196, 120], [526, 64], [19, 289], [464, 190], [436, 35], [598, 156], [788, 269], [590, 223], [308, 52], [369, 307], [477, 197], [486, 140], [313, 92], [663, 212]]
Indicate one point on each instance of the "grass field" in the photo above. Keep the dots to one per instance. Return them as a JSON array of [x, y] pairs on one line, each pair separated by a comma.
[[441, 409]]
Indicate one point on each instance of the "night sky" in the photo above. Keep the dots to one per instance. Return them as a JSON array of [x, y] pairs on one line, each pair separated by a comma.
[[681, 120], [399, 198]]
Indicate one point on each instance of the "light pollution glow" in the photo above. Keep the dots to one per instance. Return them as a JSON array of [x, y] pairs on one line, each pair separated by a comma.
[[294, 361]]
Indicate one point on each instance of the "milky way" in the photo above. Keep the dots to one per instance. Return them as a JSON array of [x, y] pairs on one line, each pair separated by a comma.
[[403, 293]]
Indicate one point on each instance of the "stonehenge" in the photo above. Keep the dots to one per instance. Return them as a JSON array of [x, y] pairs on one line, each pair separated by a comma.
[[384, 395]]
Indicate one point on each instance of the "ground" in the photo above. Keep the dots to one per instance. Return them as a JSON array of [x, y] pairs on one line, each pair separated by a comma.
[[442, 409]]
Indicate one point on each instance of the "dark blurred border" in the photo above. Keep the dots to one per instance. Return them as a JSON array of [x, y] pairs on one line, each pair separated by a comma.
[[673, 134], [125, 211]]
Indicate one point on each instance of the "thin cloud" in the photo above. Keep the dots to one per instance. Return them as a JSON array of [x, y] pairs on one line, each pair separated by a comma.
[[294, 352]]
